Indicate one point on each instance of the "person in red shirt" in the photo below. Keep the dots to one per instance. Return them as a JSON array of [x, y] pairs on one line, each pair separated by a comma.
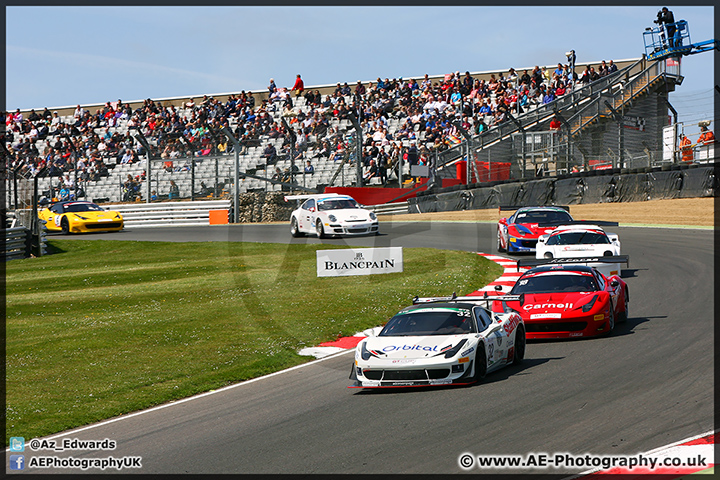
[[555, 124], [299, 86]]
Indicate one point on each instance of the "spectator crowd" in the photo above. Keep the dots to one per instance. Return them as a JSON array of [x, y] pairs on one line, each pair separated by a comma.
[[427, 117]]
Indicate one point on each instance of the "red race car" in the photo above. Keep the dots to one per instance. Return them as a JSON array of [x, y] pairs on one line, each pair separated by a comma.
[[566, 300]]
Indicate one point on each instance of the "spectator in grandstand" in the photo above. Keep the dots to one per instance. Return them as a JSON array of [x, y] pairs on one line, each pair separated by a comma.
[[586, 75], [301, 143], [269, 154], [549, 95], [612, 67], [130, 189], [360, 89], [79, 112], [602, 69], [272, 87], [174, 191], [555, 124], [371, 171], [299, 86], [309, 169], [127, 156]]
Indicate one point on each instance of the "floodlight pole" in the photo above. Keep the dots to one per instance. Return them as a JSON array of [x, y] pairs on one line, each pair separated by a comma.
[[143, 141], [236, 193], [358, 147]]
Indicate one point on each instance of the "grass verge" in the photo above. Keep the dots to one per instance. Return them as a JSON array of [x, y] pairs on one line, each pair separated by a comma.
[[100, 329]]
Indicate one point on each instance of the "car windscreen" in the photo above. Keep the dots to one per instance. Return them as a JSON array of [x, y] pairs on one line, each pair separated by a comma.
[[578, 238], [337, 204], [553, 282], [82, 207], [543, 217], [429, 322]]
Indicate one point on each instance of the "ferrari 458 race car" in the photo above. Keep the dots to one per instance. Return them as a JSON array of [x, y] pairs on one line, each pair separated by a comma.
[[439, 341], [80, 216], [331, 214], [565, 300], [580, 240], [520, 232]]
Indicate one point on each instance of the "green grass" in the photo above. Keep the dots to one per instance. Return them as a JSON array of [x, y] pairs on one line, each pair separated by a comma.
[[103, 328]]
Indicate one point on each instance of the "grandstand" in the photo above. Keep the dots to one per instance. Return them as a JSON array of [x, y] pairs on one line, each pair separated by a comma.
[[615, 121]]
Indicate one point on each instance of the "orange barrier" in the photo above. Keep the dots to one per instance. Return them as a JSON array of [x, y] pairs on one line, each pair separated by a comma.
[[218, 217]]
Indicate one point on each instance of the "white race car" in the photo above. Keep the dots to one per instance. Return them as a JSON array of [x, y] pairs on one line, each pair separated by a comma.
[[331, 214], [574, 241], [439, 341]]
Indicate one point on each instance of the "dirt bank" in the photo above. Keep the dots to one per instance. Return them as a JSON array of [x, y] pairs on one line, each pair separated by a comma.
[[683, 211]]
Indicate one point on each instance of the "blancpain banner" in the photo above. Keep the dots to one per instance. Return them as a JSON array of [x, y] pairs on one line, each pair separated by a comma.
[[361, 261]]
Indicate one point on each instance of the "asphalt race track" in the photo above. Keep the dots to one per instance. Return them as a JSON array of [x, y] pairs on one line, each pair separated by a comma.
[[647, 385]]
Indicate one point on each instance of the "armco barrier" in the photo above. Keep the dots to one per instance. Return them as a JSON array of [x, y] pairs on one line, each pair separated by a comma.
[[164, 214], [679, 182], [18, 243]]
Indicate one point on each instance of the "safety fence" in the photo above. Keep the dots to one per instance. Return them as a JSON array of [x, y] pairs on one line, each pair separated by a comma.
[[165, 214], [678, 181], [19, 244]]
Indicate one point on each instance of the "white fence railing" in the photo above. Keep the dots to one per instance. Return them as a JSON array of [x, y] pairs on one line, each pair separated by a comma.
[[390, 208], [139, 215]]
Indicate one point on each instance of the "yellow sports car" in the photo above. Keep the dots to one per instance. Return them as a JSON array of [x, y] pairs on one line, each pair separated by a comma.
[[80, 216]]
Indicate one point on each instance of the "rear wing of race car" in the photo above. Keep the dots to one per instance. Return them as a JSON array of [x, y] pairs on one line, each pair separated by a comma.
[[312, 195], [534, 262], [599, 223], [485, 298], [515, 207]]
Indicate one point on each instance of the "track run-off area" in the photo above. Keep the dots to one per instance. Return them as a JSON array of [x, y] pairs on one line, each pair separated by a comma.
[[648, 385]]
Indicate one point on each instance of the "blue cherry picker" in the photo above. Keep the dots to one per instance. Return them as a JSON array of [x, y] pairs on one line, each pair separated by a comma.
[[659, 45]]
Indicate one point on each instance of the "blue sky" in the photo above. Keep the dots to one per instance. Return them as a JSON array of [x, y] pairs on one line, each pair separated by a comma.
[[62, 56]]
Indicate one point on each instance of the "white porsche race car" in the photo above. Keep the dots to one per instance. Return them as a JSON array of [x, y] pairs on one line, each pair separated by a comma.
[[439, 341], [331, 214], [581, 240]]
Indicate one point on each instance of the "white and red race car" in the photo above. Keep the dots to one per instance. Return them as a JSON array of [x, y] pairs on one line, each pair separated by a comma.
[[581, 240], [331, 214], [440, 341]]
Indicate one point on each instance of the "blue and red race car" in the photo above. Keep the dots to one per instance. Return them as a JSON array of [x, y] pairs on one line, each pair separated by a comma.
[[520, 232]]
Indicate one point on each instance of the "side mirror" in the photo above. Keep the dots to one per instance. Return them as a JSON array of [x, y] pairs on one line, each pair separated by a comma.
[[614, 283], [498, 288]]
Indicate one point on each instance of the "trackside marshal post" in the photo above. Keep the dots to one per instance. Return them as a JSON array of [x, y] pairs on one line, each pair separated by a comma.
[[361, 261]]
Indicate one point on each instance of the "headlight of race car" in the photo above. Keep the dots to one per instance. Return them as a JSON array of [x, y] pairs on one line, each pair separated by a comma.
[[80, 217], [364, 352], [521, 230], [588, 306], [373, 216], [332, 218]]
